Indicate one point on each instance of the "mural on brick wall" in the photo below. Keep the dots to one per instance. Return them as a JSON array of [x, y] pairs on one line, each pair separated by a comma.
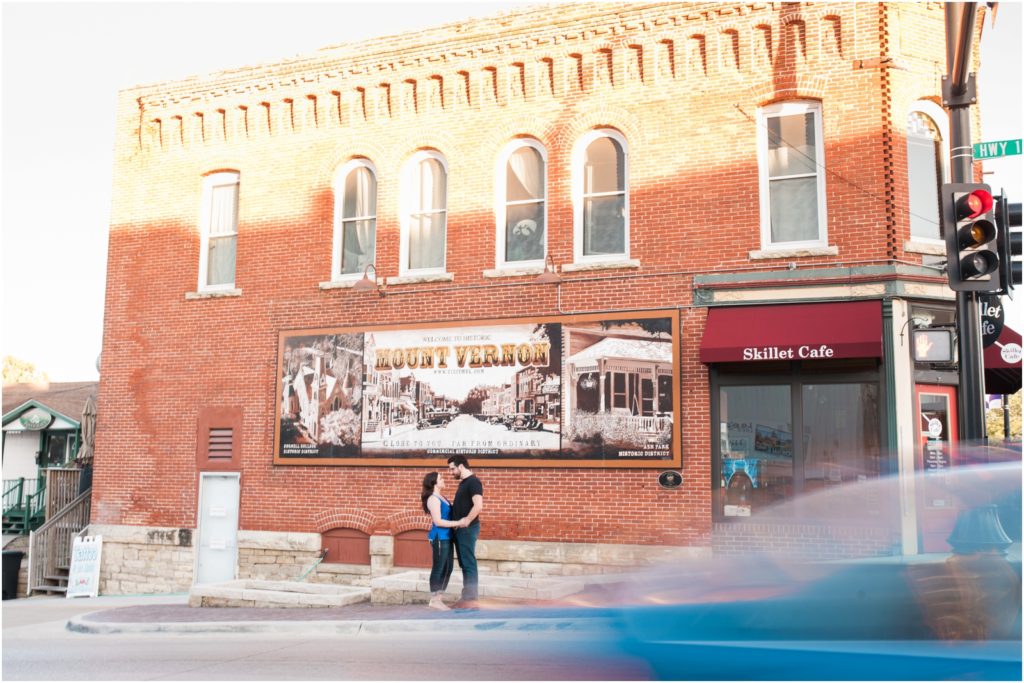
[[594, 390]]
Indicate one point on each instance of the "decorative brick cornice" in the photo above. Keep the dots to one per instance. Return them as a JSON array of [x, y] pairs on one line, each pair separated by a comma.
[[500, 61]]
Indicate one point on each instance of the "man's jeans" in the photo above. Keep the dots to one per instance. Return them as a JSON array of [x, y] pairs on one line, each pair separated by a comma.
[[441, 568], [465, 544]]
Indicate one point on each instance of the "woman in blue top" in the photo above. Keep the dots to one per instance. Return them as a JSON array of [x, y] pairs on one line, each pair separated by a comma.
[[440, 537]]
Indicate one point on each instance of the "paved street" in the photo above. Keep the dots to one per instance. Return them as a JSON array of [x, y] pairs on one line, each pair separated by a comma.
[[37, 646]]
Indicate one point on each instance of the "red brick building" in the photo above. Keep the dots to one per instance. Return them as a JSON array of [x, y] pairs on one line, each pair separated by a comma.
[[761, 175]]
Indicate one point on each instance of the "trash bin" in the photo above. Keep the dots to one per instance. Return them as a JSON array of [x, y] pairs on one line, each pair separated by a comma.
[[12, 565]]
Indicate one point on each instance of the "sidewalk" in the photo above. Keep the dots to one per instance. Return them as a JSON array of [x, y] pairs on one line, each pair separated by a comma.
[[153, 616]]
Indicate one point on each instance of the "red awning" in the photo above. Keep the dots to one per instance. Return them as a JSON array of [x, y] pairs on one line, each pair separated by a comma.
[[1002, 363], [793, 332]]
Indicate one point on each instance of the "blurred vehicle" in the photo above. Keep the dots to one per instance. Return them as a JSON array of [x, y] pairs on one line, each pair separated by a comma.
[[853, 611]]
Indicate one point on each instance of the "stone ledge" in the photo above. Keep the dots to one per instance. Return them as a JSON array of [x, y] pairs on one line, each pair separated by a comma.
[[279, 540], [339, 284], [600, 265], [931, 248], [255, 593], [156, 536], [215, 294], [598, 554], [513, 271], [333, 568], [793, 253], [419, 279]]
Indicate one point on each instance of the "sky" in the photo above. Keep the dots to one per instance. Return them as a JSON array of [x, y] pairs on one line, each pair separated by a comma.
[[63, 63]]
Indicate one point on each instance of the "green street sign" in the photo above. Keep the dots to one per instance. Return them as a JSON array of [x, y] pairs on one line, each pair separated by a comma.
[[1000, 148]]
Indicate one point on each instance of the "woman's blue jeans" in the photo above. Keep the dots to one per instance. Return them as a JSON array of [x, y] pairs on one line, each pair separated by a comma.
[[443, 563]]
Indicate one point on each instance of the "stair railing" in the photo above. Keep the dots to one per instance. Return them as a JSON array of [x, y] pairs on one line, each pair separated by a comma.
[[61, 488], [49, 546], [13, 491]]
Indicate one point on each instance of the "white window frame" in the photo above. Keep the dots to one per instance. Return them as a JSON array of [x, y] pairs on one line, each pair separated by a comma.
[[791, 108], [210, 181], [578, 158], [339, 218], [501, 202], [939, 117], [408, 203]]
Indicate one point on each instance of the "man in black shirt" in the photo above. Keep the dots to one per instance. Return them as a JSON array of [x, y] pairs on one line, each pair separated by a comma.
[[467, 506]]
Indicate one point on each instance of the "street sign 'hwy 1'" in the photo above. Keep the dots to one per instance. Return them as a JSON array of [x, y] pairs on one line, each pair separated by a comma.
[[1000, 148]]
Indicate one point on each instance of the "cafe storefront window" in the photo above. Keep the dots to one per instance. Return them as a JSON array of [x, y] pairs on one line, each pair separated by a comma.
[[783, 436], [796, 401]]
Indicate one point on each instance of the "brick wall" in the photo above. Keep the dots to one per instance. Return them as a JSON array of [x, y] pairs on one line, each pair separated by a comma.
[[681, 82]]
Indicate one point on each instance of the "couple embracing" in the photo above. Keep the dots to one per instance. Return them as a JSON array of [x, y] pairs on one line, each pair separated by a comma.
[[456, 525]]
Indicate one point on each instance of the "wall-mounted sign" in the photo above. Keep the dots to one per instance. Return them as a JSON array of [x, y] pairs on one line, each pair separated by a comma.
[[670, 479], [84, 575], [1010, 353], [992, 318], [36, 419], [596, 390]]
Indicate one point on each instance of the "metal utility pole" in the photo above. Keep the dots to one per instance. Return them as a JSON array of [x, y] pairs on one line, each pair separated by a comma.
[[958, 94]]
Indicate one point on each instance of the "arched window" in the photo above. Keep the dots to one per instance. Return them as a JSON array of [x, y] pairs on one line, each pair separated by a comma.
[[601, 197], [791, 159], [219, 231], [926, 154], [355, 218], [424, 224], [522, 204]]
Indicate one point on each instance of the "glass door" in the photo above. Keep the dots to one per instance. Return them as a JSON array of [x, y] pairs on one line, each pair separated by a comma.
[[936, 455]]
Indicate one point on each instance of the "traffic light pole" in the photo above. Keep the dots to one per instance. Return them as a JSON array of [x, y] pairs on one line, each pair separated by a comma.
[[958, 94]]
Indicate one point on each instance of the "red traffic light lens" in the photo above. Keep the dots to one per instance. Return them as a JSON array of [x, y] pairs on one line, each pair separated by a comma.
[[973, 204]]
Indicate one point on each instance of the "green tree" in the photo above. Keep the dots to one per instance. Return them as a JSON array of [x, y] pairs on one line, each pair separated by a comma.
[[17, 371], [994, 420]]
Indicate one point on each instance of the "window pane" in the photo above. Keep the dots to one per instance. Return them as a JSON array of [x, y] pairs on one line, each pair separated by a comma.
[[924, 173], [432, 185], [841, 421], [756, 437], [791, 145], [358, 245], [604, 170], [426, 241], [223, 209], [604, 225], [220, 265], [794, 208], [525, 175], [360, 194], [524, 232]]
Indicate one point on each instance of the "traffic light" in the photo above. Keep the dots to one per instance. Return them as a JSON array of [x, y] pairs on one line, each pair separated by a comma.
[[1009, 244], [968, 221]]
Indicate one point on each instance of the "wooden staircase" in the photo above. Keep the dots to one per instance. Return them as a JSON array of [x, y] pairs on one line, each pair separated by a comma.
[[23, 505], [50, 546]]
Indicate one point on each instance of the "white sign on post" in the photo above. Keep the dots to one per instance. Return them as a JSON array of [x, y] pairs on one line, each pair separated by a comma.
[[84, 579]]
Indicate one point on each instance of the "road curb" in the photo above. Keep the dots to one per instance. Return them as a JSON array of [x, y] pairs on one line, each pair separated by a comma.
[[81, 624]]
